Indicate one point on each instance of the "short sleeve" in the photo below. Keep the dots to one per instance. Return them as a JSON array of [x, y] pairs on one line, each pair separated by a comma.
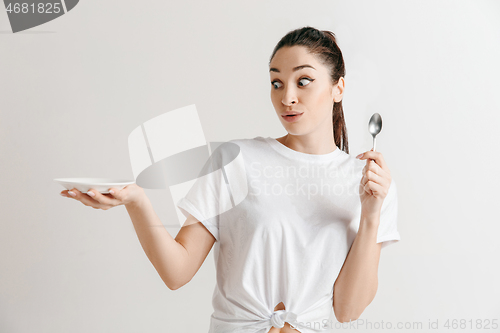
[[220, 186], [188, 205], [204, 198], [388, 230]]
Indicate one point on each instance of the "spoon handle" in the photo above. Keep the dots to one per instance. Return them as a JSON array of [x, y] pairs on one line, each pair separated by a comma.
[[374, 142]]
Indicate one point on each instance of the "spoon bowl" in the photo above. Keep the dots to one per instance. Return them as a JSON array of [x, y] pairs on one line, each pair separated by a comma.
[[375, 126]]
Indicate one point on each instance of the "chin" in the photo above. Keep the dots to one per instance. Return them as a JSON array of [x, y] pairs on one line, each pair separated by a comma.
[[292, 130]]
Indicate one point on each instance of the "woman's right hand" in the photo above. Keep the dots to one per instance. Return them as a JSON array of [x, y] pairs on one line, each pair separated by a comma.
[[129, 194]]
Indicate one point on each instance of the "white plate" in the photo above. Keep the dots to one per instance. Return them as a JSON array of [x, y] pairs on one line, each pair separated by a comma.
[[99, 184]]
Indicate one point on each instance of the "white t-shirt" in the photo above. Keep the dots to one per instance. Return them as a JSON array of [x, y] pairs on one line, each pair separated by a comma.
[[289, 236]]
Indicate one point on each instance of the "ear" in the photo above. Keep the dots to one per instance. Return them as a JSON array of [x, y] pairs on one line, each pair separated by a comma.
[[338, 90]]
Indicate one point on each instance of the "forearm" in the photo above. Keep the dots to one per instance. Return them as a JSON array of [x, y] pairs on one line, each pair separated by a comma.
[[357, 282], [165, 253]]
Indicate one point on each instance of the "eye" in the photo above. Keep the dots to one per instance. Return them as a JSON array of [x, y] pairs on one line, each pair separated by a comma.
[[273, 84], [308, 80], [305, 78]]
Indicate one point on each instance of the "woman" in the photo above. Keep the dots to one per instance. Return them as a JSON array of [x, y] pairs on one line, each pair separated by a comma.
[[314, 219]]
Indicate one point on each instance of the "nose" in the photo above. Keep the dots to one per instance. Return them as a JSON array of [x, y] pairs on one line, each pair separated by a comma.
[[289, 97]]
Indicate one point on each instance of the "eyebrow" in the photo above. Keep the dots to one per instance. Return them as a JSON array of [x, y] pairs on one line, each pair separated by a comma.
[[272, 69]]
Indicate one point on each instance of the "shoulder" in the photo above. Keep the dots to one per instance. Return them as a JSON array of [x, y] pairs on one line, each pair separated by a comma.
[[226, 151], [351, 165], [242, 145], [249, 142]]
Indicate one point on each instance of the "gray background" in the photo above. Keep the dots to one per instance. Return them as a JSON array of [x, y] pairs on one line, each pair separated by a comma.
[[71, 91]]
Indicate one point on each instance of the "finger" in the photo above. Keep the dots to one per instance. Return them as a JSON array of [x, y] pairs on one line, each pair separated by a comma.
[[375, 189], [119, 195], [376, 169], [102, 199], [372, 176], [363, 187], [84, 198], [372, 166], [379, 175], [376, 156]]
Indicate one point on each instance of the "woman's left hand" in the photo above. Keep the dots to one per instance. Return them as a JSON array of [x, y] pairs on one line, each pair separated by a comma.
[[374, 184]]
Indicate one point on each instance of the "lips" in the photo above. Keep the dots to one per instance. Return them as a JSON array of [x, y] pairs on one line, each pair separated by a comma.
[[292, 117], [286, 113]]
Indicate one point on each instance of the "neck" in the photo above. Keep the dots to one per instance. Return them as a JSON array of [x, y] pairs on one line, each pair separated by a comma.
[[314, 143]]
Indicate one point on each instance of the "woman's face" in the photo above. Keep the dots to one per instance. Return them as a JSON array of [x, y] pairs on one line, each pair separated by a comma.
[[309, 87]]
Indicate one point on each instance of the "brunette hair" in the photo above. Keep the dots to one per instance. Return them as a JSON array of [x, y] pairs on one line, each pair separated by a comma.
[[323, 44]]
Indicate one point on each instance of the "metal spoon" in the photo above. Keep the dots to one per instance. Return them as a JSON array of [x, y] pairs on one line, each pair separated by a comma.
[[375, 126]]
